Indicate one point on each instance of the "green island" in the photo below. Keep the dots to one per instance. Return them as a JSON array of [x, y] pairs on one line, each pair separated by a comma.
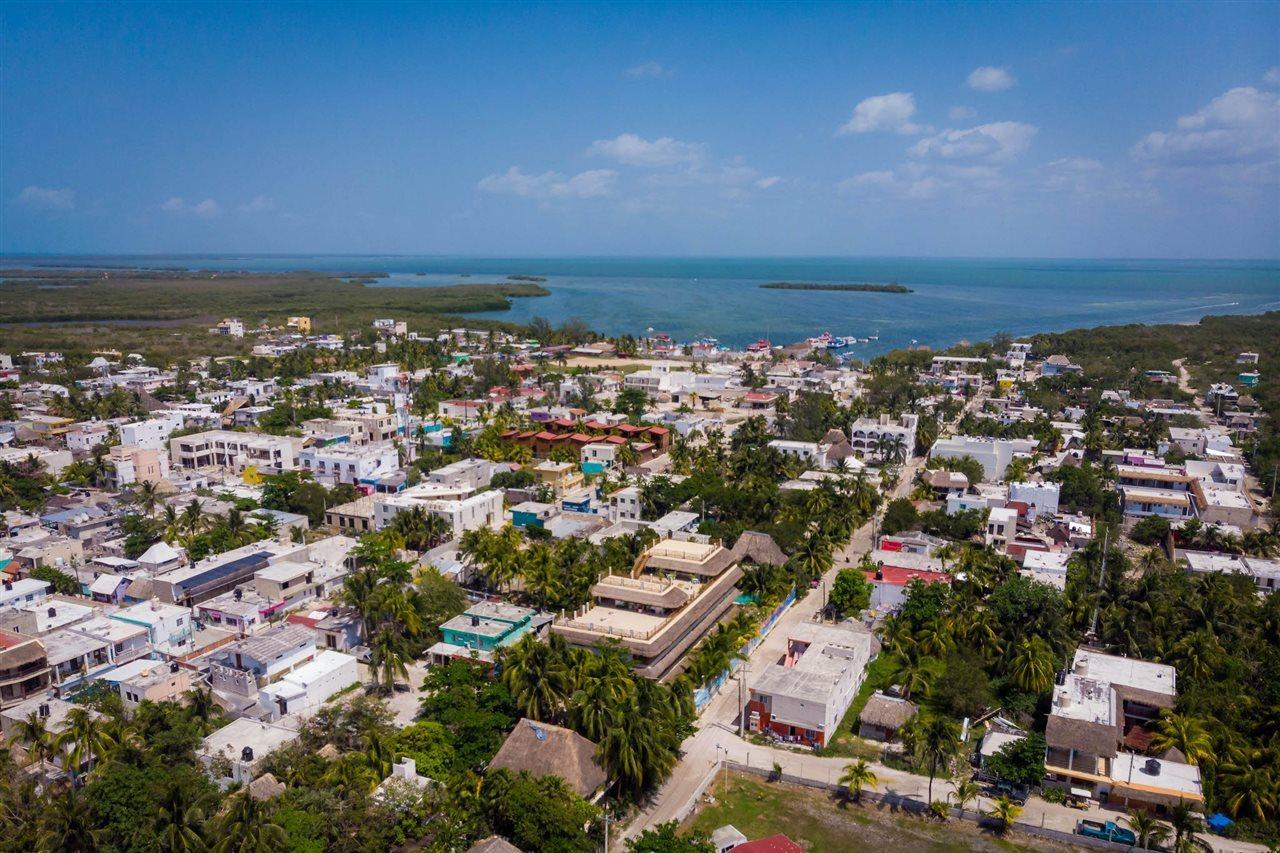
[[139, 310], [536, 279], [850, 288]]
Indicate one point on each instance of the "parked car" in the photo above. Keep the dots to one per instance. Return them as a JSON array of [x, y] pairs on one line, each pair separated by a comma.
[[1017, 793], [1107, 831]]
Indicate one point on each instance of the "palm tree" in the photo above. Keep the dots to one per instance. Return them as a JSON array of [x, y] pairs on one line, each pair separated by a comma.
[[67, 825], [857, 776], [388, 658], [246, 827], [537, 677], [1186, 823], [965, 792], [1031, 666], [1251, 788], [36, 737], [911, 674], [1147, 828], [181, 822], [1185, 734], [939, 742], [83, 738], [146, 495], [1005, 811]]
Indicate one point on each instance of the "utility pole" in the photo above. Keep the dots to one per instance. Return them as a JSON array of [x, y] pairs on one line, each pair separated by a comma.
[[606, 831]]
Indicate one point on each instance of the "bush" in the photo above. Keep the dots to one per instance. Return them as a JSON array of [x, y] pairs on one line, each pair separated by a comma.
[[1054, 795], [1020, 762], [900, 515], [851, 592], [1151, 530]]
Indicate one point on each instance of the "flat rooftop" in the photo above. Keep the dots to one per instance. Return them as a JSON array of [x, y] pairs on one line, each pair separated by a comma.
[[1173, 776], [607, 620]]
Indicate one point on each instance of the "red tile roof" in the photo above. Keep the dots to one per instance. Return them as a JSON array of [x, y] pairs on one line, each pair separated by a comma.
[[896, 576], [773, 844]]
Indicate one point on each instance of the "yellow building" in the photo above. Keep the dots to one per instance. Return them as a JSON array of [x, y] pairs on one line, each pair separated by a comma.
[[302, 324], [560, 476]]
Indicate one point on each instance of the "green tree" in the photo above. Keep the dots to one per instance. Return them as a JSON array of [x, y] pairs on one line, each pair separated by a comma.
[[1004, 811], [850, 593], [939, 743], [1020, 762], [857, 776], [1145, 826], [666, 838]]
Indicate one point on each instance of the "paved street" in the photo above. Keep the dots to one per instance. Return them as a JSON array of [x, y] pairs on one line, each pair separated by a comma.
[[716, 738], [720, 716]]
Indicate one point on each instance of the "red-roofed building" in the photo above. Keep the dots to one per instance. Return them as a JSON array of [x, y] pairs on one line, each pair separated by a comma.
[[773, 844]]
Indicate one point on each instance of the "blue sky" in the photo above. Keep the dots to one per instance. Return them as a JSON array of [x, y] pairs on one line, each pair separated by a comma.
[[1127, 130]]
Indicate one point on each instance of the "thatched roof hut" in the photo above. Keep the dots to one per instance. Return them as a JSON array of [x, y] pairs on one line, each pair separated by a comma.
[[758, 548], [887, 712], [547, 750]]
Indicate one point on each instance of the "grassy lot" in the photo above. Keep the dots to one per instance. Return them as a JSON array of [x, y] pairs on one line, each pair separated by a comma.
[[816, 822]]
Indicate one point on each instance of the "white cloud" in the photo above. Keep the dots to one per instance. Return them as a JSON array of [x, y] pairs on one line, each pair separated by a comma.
[[648, 71], [1072, 174], [765, 183], [631, 150], [961, 113], [991, 143], [204, 209], [891, 112], [47, 198], [884, 179], [990, 79], [1272, 76], [258, 204], [1239, 127], [550, 185]]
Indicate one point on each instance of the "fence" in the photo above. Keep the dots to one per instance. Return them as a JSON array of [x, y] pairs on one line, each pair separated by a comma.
[[703, 695]]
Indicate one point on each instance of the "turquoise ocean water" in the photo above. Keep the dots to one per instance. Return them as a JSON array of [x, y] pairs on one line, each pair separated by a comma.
[[690, 298]]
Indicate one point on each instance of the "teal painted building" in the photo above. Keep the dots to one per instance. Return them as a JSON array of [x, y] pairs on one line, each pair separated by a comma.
[[487, 626]]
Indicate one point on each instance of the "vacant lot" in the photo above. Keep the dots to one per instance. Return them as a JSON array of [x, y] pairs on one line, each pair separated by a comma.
[[816, 822]]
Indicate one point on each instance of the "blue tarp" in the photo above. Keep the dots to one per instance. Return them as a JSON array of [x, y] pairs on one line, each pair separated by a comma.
[[1219, 822]]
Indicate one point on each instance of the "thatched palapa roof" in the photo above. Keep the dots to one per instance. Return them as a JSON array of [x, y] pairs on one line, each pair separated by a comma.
[[547, 750], [758, 548], [887, 712]]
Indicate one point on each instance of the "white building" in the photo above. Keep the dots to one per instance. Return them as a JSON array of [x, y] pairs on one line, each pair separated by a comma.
[[1043, 496], [993, 454], [235, 450], [341, 463], [154, 432], [868, 435], [803, 698], [307, 687], [168, 625], [1264, 572], [808, 452], [624, 504], [463, 513], [235, 752], [1002, 525], [22, 592]]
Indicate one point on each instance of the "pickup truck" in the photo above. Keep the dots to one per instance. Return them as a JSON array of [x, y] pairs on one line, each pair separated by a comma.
[[1108, 831]]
